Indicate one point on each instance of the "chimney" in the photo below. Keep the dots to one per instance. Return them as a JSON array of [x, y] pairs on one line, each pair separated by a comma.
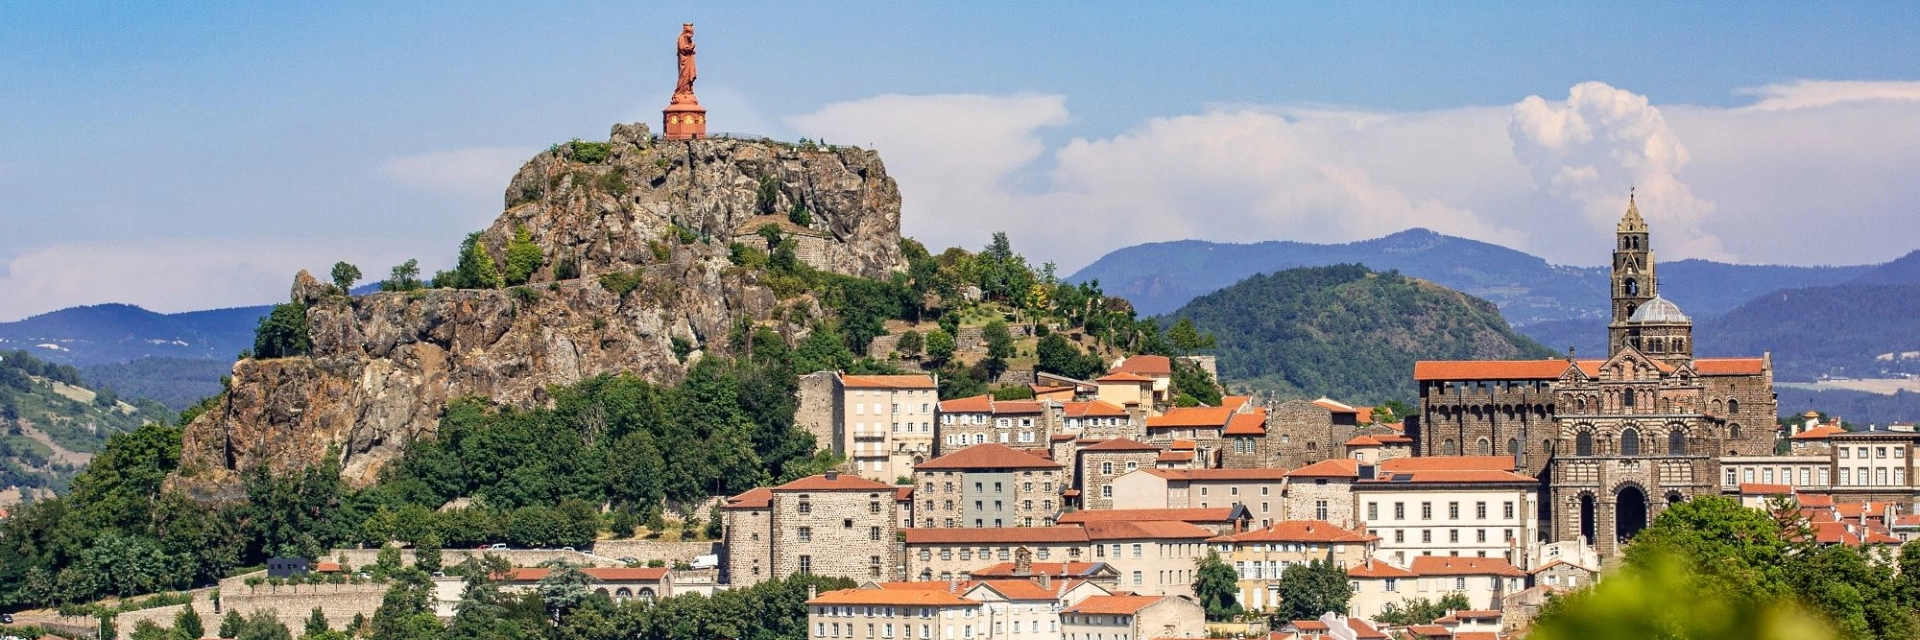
[[832, 476], [1046, 582], [813, 592], [953, 584]]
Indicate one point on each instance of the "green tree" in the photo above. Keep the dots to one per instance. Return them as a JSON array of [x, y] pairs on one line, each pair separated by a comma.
[[940, 346], [426, 553], [474, 270], [1192, 382], [523, 256], [1217, 586], [283, 332], [187, 624], [148, 630], [317, 622], [563, 590], [406, 611], [387, 561], [999, 346], [1639, 601], [404, 277], [344, 275], [800, 216], [1310, 589], [1188, 339], [231, 623], [910, 344], [263, 624]]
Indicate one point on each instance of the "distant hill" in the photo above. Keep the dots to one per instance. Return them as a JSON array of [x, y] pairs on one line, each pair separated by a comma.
[[1902, 270], [50, 424], [1159, 277], [1813, 331], [176, 383], [1346, 331], [123, 332]]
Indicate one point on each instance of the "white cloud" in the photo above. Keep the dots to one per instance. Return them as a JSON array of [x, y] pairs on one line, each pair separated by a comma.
[[1813, 173], [466, 171], [1804, 94], [176, 275]]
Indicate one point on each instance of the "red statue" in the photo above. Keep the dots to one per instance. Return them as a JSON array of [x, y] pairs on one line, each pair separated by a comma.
[[684, 118]]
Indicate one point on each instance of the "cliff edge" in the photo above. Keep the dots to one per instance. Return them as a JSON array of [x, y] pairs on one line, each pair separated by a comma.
[[655, 215]]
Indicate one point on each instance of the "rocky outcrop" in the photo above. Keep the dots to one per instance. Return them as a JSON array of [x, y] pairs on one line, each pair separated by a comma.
[[384, 365]]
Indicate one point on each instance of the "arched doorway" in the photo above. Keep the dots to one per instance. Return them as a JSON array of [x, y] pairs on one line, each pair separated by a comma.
[[1587, 517], [1629, 512]]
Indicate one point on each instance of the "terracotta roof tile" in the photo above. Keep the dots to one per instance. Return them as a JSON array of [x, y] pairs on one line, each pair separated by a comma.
[[1208, 515], [1331, 468], [1121, 444], [1821, 432], [1123, 377], [1363, 441], [1445, 476], [1217, 475], [1113, 605], [1335, 406], [839, 482], [1448, 463], [1183, 444], [1248, 424], [991, 455], [1146, 365], [889, 382], [1754, 488], [1144, 530], [1192, 417], [1298, 531], [982, 403], [1729, 366], [1056, 569], [1093, 409], [1005, 535], [755, 498], [1015, 589], [897, 597], [1378, 569], [1441, 370], [1234, 402], [1452, 566], [1175, 456]]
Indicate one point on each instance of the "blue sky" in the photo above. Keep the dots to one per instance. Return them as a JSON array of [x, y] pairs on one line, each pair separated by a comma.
[[193, 155]]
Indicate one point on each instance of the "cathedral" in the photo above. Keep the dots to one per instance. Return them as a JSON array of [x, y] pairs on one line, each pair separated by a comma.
[[1613, 440]]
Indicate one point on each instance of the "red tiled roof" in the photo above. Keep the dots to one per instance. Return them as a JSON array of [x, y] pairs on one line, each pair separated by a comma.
[[982, 403], [1335, 406], [1448, 463], [1475, 635], [1144, 530], [902, 494], [325, 566], [1015, 589], [839, 482], [1477, 614], [1331, 468], [1228, 475], [991, 455], [1729, 366], [1016, 406], [1378, 569], [1123, 377], [1363, 441], [1437, 477], [1549, 369], [1175, 456], [1234, 402], [1429, 631], [1298, 531], [1210, 515], [1009, 535], [1452, 566], [1754, 488], [898, 597], [755, 498], [1393, 440], [1093, 409], [1183, 444], [1814, 500], [1121, 444], [1192, 417], [1817, 433], [1146, 366], [1113, 605], [1056, 569], [1252, 423], [889, 382], [1364, 631]]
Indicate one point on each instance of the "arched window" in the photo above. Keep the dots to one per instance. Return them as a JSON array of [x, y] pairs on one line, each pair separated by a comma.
[[646, 595], [1626, 398], [1483, 447], [1583, 444], [1632, 287], [1676, 443], [1581, 404], [1630, 442], [1447, 447], [1733, 406], [1513, 445], [1733, 432]]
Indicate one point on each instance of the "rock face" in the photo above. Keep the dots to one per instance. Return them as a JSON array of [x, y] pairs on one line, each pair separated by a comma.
[[384, 365]]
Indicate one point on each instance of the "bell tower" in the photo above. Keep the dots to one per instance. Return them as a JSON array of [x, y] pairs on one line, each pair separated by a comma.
[[1633, 281]]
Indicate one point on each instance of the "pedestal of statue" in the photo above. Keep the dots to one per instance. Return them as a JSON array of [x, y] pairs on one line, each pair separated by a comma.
[[684, 121]]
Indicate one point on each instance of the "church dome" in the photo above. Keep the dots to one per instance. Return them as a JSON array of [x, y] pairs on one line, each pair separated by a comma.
[[1659, 311]]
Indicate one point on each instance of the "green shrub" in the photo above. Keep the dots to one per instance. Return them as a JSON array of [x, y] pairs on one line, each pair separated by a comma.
[[681, 347], [527, 193], [744, 256], [590, 152], [661, 252], [523, 256], [615, 182], [800, 216], [622, 283], [525, 295], [283, 333]]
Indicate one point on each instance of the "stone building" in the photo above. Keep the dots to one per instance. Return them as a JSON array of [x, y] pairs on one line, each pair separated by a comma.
[[883, 425], [989, 485], [965, 422], [1259, 490], [1133, 618], [1156, 557], [1100, 463], [1300, 433], [1261, 555], [1616, 439], [1323, 491], [1101, 420], [952, 553], [831, 525]]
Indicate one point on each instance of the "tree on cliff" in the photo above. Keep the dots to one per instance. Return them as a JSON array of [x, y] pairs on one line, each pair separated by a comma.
[[404, 277], [999, 347], [523, 256], [344, 275], [283, 332], [475, 269]]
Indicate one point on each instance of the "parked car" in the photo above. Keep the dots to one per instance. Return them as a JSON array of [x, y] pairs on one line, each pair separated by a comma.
[[497, 546]]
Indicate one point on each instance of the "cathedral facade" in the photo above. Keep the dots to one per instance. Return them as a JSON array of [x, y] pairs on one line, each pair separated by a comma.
[[1614, 440]]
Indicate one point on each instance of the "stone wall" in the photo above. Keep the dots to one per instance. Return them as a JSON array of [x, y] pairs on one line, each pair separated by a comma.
[[448, 557], [819, 412], [644, 550], [1303, 494], [840, 537], [1300, 433], [1093, 479]]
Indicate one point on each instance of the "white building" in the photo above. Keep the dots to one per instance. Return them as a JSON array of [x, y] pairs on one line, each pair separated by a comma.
[[1436, 510]]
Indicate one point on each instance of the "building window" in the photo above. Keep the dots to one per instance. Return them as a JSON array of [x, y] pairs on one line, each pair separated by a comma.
[[1426, 511], [1508, 510], [1426, 535], [806, 564], [1399, 535], [1480, 510], [1453, 511], [1138, 578], [1399, 510], [1106, 468], [1583, 444], [1484, 447], [1676, 443], [873, 533], [1480, 535], [1630, 442], [1373, 511], [804, 507], [1460, 584], [1319, 509], [1453, 535], [1106, 491], [806, 534]]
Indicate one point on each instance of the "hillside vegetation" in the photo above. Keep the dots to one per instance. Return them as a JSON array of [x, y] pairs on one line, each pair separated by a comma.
[[1346, 332], [1819, 331], [50, 424]]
